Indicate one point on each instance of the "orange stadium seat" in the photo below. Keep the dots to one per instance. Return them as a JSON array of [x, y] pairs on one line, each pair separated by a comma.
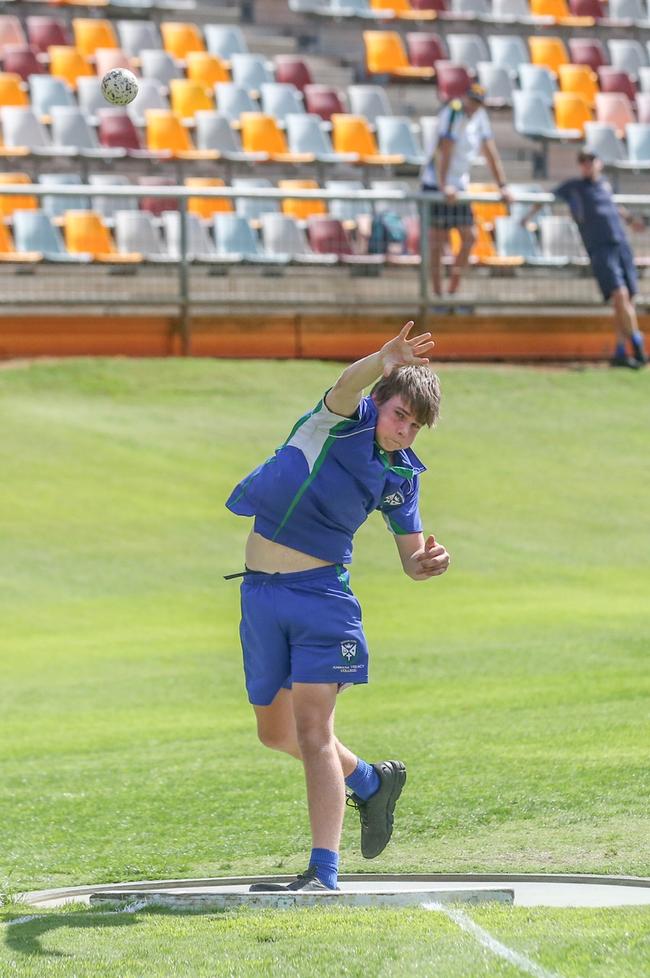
[[91, 33], [206, 69], [188, 97], [12, 91], [260, 133], [10, 204], [571, 111], [580, 80], [486, 212], [386, 55], [166, 133], [560, 12], [301, 209], [180, 38], [85, 233], [205, 207], [548, 52], [351, 134], [484, 251], [403, 10], [8, 252], [69, 64]]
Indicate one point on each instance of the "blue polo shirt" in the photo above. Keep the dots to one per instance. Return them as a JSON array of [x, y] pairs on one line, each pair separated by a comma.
[[317, 489], [593, 209]]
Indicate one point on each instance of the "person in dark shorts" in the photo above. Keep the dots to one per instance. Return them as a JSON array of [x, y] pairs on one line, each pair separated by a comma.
[[463, 132], [600, 223]]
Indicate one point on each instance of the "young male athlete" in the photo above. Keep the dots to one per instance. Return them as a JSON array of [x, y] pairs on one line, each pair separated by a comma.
[[301, 630]]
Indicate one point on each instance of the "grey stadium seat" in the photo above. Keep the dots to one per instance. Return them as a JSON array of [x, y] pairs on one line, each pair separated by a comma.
[[281, 236], [280, 100], [55, 205], [512, 241], [395, 135], [105, 205], [602, 139], [46, 92], [533, 118], [252, 208], [213, 131], [560, 239], [21, 128], [224, 40], [234, 236], [347, 210], [467, 50], [250, 71], [70, 128], [159, 65], [232, 100], [306, 134], [150, 95], [627, 54], [538, 81], [509, 51], [200, 246], [497, 84], [138, 35], [638, 144], [369, 101], [34, 231], [136, 231]]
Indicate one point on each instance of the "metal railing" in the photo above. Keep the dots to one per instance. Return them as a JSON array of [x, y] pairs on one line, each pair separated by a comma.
[[189, 289]]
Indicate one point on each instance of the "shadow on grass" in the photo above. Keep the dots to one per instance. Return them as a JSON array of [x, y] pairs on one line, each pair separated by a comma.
[[25, 938]]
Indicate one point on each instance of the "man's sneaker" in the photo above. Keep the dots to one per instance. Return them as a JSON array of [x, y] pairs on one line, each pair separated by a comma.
[[629, 362], [376, 814], [306, 883]]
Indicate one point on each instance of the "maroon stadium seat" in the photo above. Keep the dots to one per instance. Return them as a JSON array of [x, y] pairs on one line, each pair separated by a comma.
[[44, 31], [439, 5], [425, 48], [327, 236], [452, 79], [587, 51], [323, 101], [22, 60], [615, 80], [116, 129], [157, 205], [587, 8], [292, 71]]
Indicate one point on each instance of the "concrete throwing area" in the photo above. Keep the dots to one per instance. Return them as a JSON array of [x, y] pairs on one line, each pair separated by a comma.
[[364, 890]]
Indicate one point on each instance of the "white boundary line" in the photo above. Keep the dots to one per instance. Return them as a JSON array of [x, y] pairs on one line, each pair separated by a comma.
[[496, 947], [130, 908]]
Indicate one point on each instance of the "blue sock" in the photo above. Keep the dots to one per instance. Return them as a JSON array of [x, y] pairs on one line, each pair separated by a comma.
[[637, 343], [364, 780], [327, 866], [619, 352]]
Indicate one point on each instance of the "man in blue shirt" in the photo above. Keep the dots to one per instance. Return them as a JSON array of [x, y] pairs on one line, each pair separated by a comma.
[[301, 630], [599, 221]]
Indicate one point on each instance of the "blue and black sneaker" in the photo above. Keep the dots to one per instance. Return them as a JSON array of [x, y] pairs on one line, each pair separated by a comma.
[[376, 813], [306, 882]]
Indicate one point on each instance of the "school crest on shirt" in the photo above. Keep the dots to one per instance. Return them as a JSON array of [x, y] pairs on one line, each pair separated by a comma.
[[393, 499], [349, 649]]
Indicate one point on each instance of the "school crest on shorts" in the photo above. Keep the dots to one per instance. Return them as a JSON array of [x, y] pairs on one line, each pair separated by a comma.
[[349, 649], [394, 499]]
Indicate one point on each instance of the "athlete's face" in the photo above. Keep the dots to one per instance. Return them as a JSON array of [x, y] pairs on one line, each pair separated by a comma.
[[397, 426]]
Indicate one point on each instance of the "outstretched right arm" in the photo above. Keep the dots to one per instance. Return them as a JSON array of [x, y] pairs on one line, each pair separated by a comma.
[[345, 396]]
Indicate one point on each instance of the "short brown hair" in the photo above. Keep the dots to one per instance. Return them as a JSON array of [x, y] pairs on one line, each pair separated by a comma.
[[418, 386]]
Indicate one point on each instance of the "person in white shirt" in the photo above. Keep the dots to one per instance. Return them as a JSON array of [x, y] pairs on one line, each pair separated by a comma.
[[463, 132]]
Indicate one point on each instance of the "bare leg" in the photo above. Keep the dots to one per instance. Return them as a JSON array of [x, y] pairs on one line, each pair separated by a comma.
[[313, 707], [276, 728], [437, 242], [467, 239], [625, 321]]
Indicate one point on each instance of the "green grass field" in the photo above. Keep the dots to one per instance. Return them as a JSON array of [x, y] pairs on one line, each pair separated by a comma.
[[515, 687]]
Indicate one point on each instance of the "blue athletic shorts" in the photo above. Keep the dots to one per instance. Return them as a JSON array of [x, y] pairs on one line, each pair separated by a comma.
[[300, 628], [613, 265]]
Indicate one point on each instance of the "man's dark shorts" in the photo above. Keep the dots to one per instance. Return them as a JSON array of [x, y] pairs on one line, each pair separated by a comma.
[[444, 216], [613, 266]]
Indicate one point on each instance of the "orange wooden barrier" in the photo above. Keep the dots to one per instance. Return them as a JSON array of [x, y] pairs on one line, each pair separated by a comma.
[[478, 338]]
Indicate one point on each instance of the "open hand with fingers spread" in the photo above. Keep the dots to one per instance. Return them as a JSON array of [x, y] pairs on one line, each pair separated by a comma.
[[402, 352], [432, 561]]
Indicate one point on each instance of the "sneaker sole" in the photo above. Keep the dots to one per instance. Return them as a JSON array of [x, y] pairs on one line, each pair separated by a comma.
[[398, 785]]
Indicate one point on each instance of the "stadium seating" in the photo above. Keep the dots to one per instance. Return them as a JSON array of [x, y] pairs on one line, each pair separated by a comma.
[[55, 205], [323, 101], [16, 202], [138, 35], [587, 51], [386, 55], [260, 133], [206, 207], [236, 240], [85, 233], [298, 208], [571, 111], [166, 133], [68, 64], [615, 110], [603, 140], [224, 41], [188, 97], [352, 134], [206, 69], [44, 31], [306, 134], [137, 233], [614, 80], [23, 62], [180, 37], [292, 71], [8, 252], [548, 52], [91, 33], [214, 132], [35, 232], [579, 80], [12, 90], [452, 80]]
